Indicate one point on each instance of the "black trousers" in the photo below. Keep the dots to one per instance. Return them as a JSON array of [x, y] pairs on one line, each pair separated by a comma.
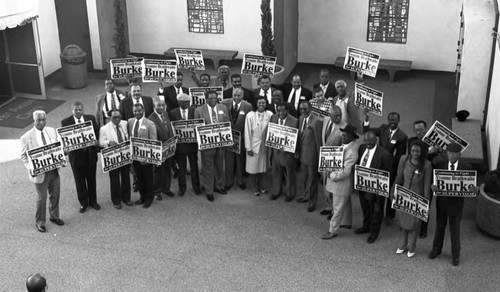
[[441, 220], [85, 183], [372, 206], [193, 165], [119, 180], [144, 173], [424, 225], [162, 177]]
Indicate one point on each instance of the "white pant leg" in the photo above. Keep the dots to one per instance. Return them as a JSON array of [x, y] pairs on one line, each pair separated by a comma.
[[339, 206]]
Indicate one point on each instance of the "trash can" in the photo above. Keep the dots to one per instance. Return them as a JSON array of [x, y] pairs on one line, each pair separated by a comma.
[[74, 66]]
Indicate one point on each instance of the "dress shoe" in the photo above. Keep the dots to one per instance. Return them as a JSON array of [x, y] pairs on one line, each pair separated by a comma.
[[361, 230], [434, 254], [455, 261], [329, 235], [40, 228], [210, 197], [181, 193], [410, 254], [263, 191], [288, 199], [346, 226], [227, 188], [257, 194], [400, 251], [128, 203], [139, 202], [329, 217], [117, 206], [170, 194], [83, 209], [302, 200], [158, 197], [147, 204], [242, 186], [388, 221], [423, 234], [273, 197], [220, 191], [310, 209], [57, 221], [325, 212], [95, 206], [371, 239]]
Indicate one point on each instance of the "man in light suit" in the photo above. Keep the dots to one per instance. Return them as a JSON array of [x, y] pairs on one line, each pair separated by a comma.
[[283, 163], [236, 82], [162, 173], [235, 163], [171, 92], [340, 183], [394, 140], [309, 143], [142, 127], [325, 85], [373, 156], [350, 112], [106, 102], [212, 160], [113, 133], [84, 161], [186, 150], [49, 182], [126, 105], [265, 88]]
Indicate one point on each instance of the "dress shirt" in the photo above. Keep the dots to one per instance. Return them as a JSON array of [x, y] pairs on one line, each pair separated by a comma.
[[297, 96], [455, 165], [137, 123], [134, 101], [324, 87], [210, 113], [184, 114], [39, 137], [370, 153], [78, 121], [108, 103], [269, 96]]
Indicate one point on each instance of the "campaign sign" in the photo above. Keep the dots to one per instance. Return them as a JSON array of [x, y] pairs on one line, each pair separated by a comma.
[[281, 137], [410, 202], [440, 136], [46, 158], [77, 136], [371, 180], [321, 109], [331, 158], [147, 151], [189, 58], [258, 65], [214, 136], [126, 68], [116, 156], [168, 148], [186, 130], [455, 183], [236, 148], [159, 70], [368, 98], [198, 95], [361, 61]]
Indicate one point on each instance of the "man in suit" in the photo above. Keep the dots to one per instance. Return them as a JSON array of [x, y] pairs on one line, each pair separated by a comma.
[[84, 161], [265, 88], [283, 163], [449, 209], [212, 160], [372, 156], [236, 82], [394, 140], [141, 127], [295, 93], [278, 99], [170, 93], [185, 151], [325, 85], [162, 173], [106, 102], [126, 105], [350, 112], [309, 142], [235, 163], [340, 183], [49, 182], [113, 133]]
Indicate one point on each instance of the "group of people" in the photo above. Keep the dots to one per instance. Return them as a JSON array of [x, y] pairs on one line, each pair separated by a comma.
[[119, 116]]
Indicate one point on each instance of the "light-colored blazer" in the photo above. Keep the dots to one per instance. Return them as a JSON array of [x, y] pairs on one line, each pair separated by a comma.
[[342, 183], [254, 142], [147, 130], [108, 133], [335, 138], [28, 142], [201, 112]]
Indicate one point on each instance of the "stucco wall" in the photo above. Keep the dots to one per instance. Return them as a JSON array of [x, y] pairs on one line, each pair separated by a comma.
[[49, 36]]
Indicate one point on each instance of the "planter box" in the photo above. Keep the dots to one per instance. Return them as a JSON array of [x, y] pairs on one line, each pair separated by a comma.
[[488, 214]]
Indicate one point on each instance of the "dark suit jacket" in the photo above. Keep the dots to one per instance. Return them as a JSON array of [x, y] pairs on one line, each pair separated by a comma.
[[87, 155], [163, 130], [184, 148], [170, 94], [449, 205], [381, 160], [256, 93], [304, 92], [289, 107], [283, 156], [245, 108], [247, 94], [126, 107], [331, 92], [310, 140], [99, 104]]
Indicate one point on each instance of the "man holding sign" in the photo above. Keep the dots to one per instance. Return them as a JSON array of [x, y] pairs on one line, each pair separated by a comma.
[[44, 182]]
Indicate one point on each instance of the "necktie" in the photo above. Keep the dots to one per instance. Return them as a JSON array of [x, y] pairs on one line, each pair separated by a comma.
[[43, 139], [178, 90], [184, 114], [304, 125], [328, 130], [79, 121], [136, 128], [214, 116], [365, 158], [265, 94], [236, 108], [119, 134], [292, 100], [452, 166], [113, 101], [281, 122]]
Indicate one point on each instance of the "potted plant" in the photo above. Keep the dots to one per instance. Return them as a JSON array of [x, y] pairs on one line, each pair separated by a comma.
[[488, 204]]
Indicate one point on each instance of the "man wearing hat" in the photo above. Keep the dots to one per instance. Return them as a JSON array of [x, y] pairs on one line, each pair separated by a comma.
[[36, 283], [449, 208], [340, 183]]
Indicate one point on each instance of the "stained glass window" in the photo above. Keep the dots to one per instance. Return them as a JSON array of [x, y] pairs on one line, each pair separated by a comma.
[[205, 16], [388, 21]]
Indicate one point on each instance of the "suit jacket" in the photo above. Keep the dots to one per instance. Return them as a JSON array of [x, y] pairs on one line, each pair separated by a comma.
[[163, 129], [201, 112], [353, 113], [146, 131], [28, 142], [256, 93], [170, 95], [335, 137], [87, 155], [381, 159], [238, 122], [184, 148], [450, 205], [305, 94], [310, 140], [99, 104], [107, 133], [341, 183], [247, 94], [395, 146], [280, 155], [126, 107], [331, 92], [289, 107]]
